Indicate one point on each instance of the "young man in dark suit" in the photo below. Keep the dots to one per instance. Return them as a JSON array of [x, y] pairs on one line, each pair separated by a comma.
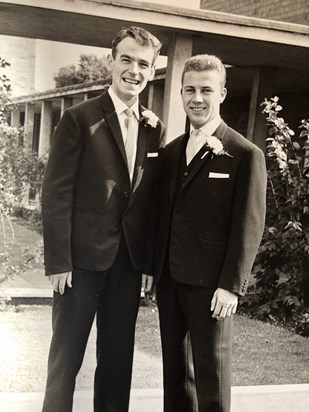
[[211, 223], [98, 205]]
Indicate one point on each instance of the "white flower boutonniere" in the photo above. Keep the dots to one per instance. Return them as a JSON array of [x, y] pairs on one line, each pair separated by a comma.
[[149, 118], [215, 145]]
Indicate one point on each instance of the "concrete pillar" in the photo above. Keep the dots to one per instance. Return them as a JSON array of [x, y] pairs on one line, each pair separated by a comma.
[[179, 50], [66, 102], [15, 117], [150, 96], [45, 127], [29, 124], [156, 99], [262, 87]]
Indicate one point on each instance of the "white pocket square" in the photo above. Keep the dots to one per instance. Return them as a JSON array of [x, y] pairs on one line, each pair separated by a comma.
[[214, 175], [154, 154]]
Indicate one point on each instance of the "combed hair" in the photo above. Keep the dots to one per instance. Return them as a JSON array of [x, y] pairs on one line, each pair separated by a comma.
[[142, 36], [203, 62]]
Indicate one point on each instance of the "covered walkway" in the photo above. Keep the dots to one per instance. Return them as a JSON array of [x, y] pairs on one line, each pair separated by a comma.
[[266, 57]]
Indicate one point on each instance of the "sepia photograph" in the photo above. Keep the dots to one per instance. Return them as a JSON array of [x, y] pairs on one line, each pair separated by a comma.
[[154, 206]]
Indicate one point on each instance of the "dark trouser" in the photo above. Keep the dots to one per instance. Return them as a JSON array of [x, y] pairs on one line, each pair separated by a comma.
[[186, 325], [113, 296]]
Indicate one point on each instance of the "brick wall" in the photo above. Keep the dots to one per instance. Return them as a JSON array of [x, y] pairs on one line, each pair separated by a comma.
[[293, 11]]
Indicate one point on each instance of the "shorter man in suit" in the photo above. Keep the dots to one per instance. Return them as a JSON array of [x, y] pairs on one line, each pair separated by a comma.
[[98, 206], [211, 224]]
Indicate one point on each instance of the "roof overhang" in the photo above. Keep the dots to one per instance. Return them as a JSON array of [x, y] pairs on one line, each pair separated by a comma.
[[238, 40]]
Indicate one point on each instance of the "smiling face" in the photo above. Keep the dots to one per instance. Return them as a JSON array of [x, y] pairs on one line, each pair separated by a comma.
[[131, 68], [202, 93]]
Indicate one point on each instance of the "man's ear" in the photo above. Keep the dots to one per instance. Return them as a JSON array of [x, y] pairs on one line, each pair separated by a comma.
[[152, 72], [110, 62], [223, 94]]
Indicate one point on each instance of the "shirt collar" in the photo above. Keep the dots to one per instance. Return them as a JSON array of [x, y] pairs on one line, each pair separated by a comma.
[[120, 106], [209, 128]]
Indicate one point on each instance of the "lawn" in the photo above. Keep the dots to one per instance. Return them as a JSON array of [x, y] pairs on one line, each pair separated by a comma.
[[263, 354]]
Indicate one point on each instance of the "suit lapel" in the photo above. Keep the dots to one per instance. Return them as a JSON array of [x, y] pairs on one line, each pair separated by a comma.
[[142, 145], [175, 164], [112, 120], [202, 158], [220, 133]]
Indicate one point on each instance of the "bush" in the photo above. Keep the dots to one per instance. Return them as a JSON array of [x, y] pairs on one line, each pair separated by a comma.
[[21, 172], [21, 169], [5, 89], [281, 271]]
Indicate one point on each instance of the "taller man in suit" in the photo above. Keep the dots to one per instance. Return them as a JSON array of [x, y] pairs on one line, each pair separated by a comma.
[[212, 220], [99, 198]]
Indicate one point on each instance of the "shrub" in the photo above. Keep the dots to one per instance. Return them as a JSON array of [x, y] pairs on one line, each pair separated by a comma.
[[281, 271], [5, 89], [21, 172], [21, 169]]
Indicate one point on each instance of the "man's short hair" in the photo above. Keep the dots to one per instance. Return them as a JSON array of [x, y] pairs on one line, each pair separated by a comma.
[[203, 62], [142, 36]]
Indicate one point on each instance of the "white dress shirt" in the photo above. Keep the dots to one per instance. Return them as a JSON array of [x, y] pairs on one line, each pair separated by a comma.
[[120, 107], [195, 143]]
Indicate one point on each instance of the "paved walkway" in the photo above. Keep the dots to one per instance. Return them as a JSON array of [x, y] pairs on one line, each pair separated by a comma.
[[281, 398], [33, 287]]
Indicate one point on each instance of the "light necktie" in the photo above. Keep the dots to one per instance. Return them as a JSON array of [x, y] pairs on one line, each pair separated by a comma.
[[193, 143], [130, 141]]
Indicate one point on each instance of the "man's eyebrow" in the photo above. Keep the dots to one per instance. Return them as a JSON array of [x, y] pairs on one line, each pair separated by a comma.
[[125, 55]]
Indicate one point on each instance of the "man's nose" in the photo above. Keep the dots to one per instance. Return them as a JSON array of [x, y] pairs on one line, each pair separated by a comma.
[[198, 98], [134, 68]]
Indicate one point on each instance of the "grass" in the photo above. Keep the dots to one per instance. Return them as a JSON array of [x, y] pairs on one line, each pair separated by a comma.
[[263, 354]]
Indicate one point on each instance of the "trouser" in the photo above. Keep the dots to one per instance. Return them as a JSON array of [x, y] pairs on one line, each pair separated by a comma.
[[113, 296], [196, 349]]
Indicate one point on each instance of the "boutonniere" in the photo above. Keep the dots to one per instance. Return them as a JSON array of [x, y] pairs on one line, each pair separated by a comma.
[[214, 145], [149, 118]]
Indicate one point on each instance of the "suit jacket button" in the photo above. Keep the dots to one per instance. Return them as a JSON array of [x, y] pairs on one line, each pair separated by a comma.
[[126, 194]]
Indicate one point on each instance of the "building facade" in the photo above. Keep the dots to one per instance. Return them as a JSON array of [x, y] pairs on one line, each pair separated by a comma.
[[264, 58], [293, 11]]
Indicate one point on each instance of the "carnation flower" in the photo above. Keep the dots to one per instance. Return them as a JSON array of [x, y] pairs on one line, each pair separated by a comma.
[[150, 118], [215, 146]]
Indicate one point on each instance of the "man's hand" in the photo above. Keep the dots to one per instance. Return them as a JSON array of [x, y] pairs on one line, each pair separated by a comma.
[[223, 304], [147, 282], [148, 290], [60, 281]]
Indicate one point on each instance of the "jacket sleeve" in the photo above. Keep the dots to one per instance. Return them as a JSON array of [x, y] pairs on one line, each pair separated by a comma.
[[248, 220], [153, 214], [57, 194]]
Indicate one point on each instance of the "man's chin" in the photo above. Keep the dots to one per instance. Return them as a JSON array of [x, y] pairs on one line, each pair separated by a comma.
[[197, 123]]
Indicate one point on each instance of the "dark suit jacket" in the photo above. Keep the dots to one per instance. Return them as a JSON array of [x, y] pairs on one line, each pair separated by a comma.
[[212, 230], [87, 199]]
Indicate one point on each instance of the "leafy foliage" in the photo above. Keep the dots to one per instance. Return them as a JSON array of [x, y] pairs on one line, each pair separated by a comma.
[[21, 171], [281, 290], [5, 89], [90, 68]]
